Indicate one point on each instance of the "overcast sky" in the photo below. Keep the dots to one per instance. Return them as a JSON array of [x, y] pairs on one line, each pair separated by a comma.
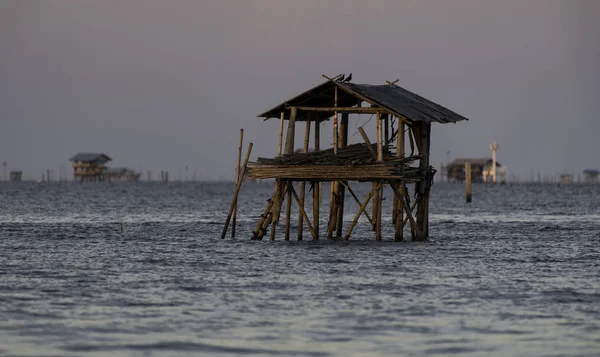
[[158, 85]]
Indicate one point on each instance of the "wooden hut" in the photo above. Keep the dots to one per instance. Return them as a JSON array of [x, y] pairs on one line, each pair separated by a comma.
[[16, 176], [120, 174], [480, 169], [401, 119], [590, 176], [89, 166]]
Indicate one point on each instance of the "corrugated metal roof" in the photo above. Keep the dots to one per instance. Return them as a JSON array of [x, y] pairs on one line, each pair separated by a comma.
[[90, 157], [403, 102], [393, 98]]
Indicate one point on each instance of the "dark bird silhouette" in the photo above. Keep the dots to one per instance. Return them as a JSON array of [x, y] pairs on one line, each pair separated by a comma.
[[349, 78], [341, 78]]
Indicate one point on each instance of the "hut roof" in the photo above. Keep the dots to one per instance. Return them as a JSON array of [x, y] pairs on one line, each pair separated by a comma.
[[473, 161], [591, 172], [88, 157], [393, 98]]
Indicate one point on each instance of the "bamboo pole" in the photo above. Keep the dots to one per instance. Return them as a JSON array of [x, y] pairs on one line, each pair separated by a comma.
[[316, 184], [237, 179], [357, 201], [259, 232], [399, 228], [303, 184], [341, 191], [277, 208], [357, 216], [303, 212], [291, 131], [235, 194], [335, 121], [407, 209], [468, 181], [288, 211], [379, 146], [280, 135], [378, 217]]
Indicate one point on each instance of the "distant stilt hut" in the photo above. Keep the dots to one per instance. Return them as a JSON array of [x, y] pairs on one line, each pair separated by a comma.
[[89, 166], [401, 119]]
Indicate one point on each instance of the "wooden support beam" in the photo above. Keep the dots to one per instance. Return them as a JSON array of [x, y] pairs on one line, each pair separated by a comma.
[[303, 184], [291, 131], [280, 143], [468, 181], [277, 207], [288, 211], [341, 187], [303, 212], [379, 144], [378, 217], [406, 207], [368, 142], [357, 201], [399, 228], [317, 185], [348, 110], [236, 192], [259, 231], [237, 179], [422, 187], [357, 216]]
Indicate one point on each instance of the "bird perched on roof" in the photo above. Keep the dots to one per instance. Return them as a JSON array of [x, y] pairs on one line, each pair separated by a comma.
[[348, 79], [341, 78]]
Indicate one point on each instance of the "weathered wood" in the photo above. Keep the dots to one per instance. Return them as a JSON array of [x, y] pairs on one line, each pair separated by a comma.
[[422, 187], [259, 232], [237, 179], [288, 211], [303, 184], [407, 209], [379, 143], [291, 131], [277, 208], [335, 121], [367, 142], [303, 212], [236, 192], [357, 216], [375, 204], [341, 191], [357, 201], [332, 208], [317, 185], [378, 219], [348, 110], [399, 228], [468, 181], [280, 143]]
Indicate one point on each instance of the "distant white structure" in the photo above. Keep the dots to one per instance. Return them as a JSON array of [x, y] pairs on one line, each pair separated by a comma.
[[491, 171]]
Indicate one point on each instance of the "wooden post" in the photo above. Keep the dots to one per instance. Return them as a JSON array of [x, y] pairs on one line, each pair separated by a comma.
[[303, 184], [378, 217], [341, 192], [303, 212], [280, 135], [291, 132], [288, 210], [357, 201], [335, 122], [357, 216], [332, 208], [237, 179], [375, 204], [316, 184], [235, 194], [422, 186], [276, 207], [379, 146], [399, 222], [468, 181]]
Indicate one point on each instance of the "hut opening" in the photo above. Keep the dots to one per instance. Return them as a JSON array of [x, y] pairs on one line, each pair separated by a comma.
[[397, 155]]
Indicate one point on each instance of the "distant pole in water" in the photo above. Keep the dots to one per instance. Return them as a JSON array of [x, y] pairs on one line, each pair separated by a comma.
[[468, 181]]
